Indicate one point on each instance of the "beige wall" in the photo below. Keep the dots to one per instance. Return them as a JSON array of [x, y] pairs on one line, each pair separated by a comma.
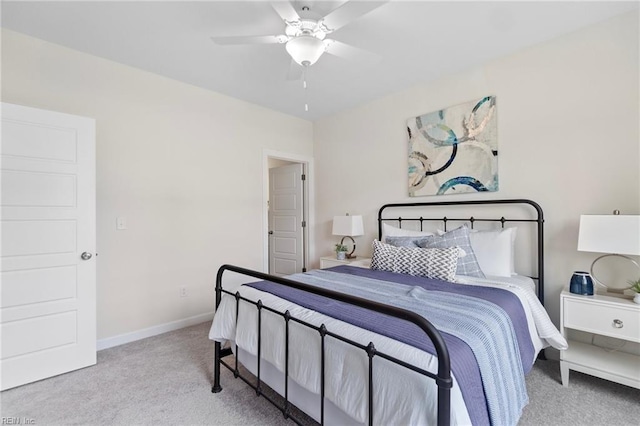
[[182, 164], [567, 130]]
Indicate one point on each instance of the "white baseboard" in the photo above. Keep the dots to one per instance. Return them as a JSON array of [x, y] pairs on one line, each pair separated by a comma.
[[121, 339]]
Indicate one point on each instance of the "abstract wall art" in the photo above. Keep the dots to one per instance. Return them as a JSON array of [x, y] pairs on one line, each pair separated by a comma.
[[454, 150]]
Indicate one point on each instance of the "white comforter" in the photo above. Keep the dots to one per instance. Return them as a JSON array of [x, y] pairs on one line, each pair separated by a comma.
[[401, 396]]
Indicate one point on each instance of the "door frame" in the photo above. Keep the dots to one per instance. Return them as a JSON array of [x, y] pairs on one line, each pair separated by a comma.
[[308, 209]]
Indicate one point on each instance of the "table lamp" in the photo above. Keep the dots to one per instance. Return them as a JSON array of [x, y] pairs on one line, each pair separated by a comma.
[[616, 235], [348, 227]]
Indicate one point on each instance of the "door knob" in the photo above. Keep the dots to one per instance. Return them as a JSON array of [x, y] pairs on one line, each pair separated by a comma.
[[86, 256], [270, 232]]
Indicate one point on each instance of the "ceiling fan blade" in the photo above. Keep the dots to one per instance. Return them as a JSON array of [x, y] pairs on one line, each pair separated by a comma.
[[285, 10], [295, 71], [268, 39], [348, 12], [346, 51]]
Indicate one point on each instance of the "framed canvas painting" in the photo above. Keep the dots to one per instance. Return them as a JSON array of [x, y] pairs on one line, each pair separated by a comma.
[[454, 150]]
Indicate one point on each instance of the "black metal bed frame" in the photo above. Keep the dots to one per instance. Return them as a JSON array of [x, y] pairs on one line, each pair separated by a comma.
[[442, 378]]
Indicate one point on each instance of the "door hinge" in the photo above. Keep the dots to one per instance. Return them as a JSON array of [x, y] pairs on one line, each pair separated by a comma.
[[304, 177], [304, 223]]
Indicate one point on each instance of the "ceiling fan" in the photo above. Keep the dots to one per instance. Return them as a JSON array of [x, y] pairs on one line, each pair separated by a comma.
[[305, 33]]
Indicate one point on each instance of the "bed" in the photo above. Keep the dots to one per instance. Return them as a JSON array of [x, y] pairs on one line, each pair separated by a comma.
[[353, 345]]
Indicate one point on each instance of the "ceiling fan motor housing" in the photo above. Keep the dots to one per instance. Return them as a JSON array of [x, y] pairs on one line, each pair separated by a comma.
[[307, 27]]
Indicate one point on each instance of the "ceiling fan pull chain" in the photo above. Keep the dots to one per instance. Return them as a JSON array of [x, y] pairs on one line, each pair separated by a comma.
[[304, 86]]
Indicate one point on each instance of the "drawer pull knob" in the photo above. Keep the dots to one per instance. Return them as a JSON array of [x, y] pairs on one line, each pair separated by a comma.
[[617, 323]]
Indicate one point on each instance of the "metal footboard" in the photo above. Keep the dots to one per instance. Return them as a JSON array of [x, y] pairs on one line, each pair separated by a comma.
[[442, 378]]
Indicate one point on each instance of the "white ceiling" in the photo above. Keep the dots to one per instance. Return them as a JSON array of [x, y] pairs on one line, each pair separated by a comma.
[[417, 41]]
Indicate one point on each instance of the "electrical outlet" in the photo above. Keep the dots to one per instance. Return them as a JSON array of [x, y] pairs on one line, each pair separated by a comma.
[[183, 291]]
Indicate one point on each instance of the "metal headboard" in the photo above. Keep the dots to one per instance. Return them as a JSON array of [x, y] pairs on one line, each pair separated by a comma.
[[539, 221]]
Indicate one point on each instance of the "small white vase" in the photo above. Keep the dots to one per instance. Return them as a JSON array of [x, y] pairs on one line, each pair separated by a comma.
[[340, 255], [636, 298]]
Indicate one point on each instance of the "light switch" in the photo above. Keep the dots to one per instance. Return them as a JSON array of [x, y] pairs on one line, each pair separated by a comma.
[[121, 223]]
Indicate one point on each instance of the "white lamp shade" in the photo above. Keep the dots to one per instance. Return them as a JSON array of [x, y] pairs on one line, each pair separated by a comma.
[[348, 226], [305, 50], [615, 234]]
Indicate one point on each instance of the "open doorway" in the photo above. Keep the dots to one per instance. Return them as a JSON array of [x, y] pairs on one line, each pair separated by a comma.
[[286, 212]]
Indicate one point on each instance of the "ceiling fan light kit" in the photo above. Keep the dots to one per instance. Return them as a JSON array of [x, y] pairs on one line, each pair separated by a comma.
[[305, 45], [305, 49]]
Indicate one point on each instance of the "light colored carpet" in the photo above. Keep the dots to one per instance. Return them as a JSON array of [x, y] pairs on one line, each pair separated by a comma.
[[166, 380]]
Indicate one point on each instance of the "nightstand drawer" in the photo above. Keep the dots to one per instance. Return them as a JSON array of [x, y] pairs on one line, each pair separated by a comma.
[[613, 321]]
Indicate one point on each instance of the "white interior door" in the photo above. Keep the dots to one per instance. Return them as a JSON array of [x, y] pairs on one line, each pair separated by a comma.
[[286, 217], [48, 294]]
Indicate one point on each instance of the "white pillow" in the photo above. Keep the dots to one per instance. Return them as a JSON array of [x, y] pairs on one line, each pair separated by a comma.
[[495, 251], [392, 231]]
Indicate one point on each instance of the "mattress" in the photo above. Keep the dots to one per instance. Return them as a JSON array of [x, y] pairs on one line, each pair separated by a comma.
[[401, 396]]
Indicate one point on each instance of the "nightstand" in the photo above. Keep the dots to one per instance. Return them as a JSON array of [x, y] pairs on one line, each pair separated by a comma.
[[331, 261], [606, 316]]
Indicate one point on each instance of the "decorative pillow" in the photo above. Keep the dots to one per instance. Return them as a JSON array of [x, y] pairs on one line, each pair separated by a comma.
[[404, 241], [392, 231], [459, 237], [435, 263], [495, 251]]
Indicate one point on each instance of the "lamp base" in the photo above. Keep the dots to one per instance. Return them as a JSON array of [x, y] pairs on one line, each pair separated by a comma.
[[349, 255], [620, 290]]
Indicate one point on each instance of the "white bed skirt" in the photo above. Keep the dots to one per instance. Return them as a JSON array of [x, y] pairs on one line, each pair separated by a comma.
[[303, 399]]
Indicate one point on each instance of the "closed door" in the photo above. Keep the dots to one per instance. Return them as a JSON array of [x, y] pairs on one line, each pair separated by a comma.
[[48, 304], [286, 220]]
